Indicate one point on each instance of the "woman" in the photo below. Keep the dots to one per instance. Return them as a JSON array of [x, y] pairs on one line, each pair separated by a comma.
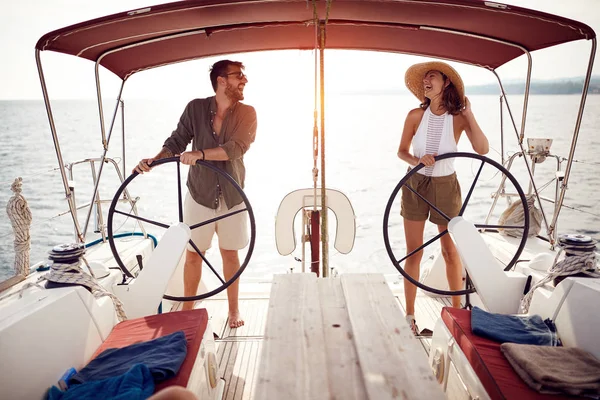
[[434, 128]]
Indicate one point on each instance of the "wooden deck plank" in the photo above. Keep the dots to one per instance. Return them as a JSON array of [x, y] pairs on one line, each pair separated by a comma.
[[392, 361], [248, 313], [427, 309], [217, 314], [294, 339], [256, 309], [237, 367], [426, 343], [253, 311], [240, 370], [232, 370], [223, 352], [253, 363], [345, 376], [429, 312], [229, 366], [262, 320]]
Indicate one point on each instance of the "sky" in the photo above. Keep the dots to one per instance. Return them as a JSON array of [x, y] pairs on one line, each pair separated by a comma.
[[23, 22]]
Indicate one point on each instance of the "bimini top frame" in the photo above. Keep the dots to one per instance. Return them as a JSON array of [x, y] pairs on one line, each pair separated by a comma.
[[476, 32], [201, 28]]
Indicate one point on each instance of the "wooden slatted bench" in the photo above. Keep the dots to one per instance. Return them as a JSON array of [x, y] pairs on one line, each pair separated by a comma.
[[340, 338]]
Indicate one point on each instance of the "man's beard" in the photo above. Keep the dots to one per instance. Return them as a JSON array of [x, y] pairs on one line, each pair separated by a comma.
[[233, 93]]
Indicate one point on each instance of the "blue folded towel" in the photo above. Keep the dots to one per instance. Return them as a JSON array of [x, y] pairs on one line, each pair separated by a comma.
[[163, 356], [135, 384], [530, 329]]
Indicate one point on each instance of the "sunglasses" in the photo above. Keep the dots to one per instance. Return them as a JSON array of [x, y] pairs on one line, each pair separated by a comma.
[[240, 75]]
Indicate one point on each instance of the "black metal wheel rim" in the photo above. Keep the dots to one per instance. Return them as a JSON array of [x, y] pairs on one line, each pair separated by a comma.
[[484, 160], [248, 208]]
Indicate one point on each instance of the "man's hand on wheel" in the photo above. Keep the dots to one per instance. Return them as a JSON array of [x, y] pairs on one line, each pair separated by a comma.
[[143, 166]]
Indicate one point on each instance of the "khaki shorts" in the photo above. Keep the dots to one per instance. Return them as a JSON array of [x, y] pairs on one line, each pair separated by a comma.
[[232, 231], [441, 191]]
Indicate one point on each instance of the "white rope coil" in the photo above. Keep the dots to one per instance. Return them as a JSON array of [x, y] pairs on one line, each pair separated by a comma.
[[72, 273], [20, 218], [574, 263]]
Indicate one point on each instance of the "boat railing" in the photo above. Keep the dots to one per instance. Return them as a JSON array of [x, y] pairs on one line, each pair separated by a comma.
[[99, 223], [558, 178]]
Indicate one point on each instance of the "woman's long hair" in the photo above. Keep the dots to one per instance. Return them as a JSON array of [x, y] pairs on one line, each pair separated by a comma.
[[451, 101]]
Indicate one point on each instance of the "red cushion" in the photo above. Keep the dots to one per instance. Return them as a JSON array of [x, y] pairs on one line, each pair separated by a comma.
[[493, 369], [193, 323]]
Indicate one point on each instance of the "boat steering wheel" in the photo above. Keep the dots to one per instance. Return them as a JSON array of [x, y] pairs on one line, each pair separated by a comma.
[[404, 182], [247, 208]]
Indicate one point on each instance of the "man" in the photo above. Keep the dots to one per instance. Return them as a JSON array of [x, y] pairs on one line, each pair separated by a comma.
[[221, 130]]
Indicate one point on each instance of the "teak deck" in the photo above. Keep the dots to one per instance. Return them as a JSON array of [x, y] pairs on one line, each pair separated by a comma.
[[343, 338]]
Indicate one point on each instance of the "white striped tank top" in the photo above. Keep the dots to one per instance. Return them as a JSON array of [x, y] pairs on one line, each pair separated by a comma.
[[435, 135]]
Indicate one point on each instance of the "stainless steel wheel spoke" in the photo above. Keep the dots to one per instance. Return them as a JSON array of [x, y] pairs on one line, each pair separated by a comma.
[[207, 262], [462, 209], [179, 195], [387, 224], [209, 221], [421, 247], [224, 284], [142, 219], [487, 226], [447, 218]]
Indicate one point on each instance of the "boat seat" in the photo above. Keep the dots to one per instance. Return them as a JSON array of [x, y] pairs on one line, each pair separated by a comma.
[[193, 323], [492, 368]]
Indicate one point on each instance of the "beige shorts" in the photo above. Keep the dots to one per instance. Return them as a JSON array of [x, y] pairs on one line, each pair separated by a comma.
[[441, 191], [232, 231]]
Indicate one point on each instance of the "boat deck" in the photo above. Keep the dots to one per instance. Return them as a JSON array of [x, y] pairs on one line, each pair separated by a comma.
[[239, 350]]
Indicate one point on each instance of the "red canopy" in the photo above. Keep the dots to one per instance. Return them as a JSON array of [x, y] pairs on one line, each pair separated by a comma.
[[477, 32]]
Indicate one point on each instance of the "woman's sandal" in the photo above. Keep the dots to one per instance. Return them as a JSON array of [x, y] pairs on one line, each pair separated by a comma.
[[415, 329], [413, 324]]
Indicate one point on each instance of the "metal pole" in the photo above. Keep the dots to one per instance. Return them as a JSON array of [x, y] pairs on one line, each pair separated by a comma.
[[586, 85], [122, 103], [304, 223], [105, 141], [501, 187], [501, 130], [315, 249], [522, 134], [525, 101], [324, 221], [61, 164], [73, 196]]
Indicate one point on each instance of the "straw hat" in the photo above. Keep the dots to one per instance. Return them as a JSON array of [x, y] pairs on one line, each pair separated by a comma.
[[415, 74]]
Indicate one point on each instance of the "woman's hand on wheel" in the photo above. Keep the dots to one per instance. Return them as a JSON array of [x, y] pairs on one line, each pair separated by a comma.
[[428, 160]]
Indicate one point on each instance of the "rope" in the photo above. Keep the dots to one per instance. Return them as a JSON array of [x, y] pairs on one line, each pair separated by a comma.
[[33, 174], [582, 161], [20, 218], [575, 262], [327, 11], [73, 274], [24, 288]]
